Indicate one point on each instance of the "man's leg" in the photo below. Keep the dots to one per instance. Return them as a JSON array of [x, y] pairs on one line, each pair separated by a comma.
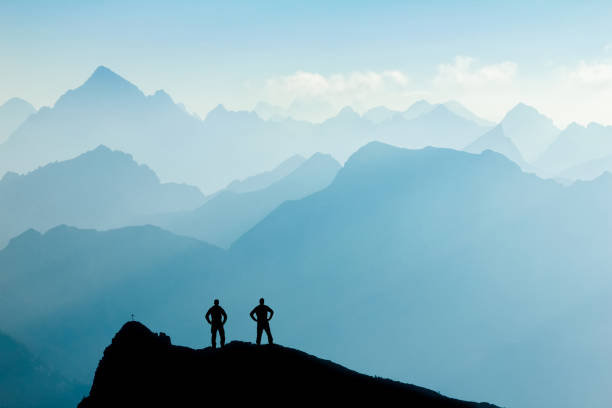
[[269, 333], [259, 331], [213, 331], [222, 335]]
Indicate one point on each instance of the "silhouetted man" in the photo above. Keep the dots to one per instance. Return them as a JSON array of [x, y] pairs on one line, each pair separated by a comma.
[[216, 317], [261, 311]]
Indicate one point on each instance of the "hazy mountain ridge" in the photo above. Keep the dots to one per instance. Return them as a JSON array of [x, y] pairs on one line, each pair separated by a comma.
[[529, 130], [98, 189], [497, 141], [228, 215], [265, 179], [12, 114], [109, 110], [576, 145]]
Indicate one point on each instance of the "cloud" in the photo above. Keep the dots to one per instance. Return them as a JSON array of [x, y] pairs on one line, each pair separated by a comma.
[[309, 84], [360, 89], [463, 72], [592, 73]]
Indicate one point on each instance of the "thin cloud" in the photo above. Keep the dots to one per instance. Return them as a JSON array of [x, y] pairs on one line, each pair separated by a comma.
[[464, 72]]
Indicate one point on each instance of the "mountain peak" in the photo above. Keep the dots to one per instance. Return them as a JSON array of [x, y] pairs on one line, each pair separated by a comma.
[[104, 75], [18, 102], [347, 111], [523, 110]]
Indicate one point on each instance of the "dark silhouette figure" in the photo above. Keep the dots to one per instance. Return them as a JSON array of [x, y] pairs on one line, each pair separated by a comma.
[[261, 311], [216, 317]]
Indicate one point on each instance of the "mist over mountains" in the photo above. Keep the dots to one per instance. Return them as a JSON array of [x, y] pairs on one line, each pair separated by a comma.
[[225, 146], [228, 215], [425, 251], [12, 114], [98, 189], [428, 237]]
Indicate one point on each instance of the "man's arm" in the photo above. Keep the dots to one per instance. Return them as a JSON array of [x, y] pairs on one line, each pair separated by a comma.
[[224, 316], [271, 313], [208, 316], [253, 315]]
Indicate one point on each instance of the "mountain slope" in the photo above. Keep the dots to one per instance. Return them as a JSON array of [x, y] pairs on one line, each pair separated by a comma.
[[139, 361], [98, 189], [576, 145], [25, 381], [267, 178], [496, 140], [12, 114], [225, 217], [420, 244], [529, 130], [589, 170]]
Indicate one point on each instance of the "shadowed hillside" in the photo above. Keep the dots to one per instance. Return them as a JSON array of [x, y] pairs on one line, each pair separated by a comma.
[[141, 368], [25, 381]]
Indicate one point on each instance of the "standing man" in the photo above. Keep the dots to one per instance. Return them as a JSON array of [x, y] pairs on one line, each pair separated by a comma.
[[216, 317], [261, 311]]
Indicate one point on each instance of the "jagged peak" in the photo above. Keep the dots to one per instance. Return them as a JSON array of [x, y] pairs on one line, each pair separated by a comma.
[[104, 75]]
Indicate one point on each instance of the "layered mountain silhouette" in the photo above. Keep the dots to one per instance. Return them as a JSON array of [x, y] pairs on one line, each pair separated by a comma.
[[12, 114], [228, 215], [576, 145], [530, 131], [109, 110], [25, 381], [265, 179], [589, 170], [496, 140], [456, 271], [98, 189], [141, 368], [437, 126], [381, 114]]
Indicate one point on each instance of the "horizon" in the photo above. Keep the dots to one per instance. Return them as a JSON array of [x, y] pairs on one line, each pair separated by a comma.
[[321, 120], [487, 57]]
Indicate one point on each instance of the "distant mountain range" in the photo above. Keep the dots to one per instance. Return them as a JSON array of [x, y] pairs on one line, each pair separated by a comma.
[[472, 268], [108, 110], [228, 215], [380, 114], [12, 114], [141, 368], [98, 189]]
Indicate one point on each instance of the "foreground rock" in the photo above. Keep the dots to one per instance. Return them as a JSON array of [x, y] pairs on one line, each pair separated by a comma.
[[141, 368]]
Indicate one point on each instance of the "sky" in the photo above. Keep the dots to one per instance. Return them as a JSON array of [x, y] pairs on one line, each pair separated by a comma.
[[488, 55]]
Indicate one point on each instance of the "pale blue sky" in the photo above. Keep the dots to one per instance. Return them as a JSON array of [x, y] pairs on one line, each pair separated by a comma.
[[489, 55]]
